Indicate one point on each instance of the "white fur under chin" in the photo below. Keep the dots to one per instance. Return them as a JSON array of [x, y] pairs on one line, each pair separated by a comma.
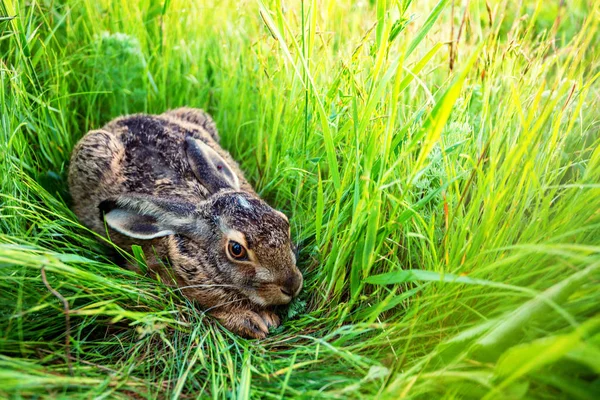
[[257, 299]]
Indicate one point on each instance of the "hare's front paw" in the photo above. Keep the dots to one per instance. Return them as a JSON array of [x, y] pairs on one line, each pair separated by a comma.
[[271, 319], [248, 323]]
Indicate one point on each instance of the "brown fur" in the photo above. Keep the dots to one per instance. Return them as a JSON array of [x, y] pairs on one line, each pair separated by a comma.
[[138, 170]]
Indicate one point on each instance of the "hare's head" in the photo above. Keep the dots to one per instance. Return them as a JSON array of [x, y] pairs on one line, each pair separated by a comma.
[[232, 238]]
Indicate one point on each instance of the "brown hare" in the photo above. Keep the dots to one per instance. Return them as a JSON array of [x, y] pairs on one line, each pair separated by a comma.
[[164, 183]]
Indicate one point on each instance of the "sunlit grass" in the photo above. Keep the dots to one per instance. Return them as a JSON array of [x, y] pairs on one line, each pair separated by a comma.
[[448, 219]]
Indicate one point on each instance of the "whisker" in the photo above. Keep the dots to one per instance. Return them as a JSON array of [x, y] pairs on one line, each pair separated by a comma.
[[200, 286], [221, 305]]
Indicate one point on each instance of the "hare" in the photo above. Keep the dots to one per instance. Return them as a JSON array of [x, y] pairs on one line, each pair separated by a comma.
[[163, 182]]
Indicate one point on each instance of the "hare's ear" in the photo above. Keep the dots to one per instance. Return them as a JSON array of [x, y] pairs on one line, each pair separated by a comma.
[[210, 168], [147, 217]]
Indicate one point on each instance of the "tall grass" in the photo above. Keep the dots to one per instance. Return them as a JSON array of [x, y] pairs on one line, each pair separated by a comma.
[[448, 215]]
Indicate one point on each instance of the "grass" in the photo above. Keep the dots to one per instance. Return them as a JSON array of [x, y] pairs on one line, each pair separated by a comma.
[[445, 195]]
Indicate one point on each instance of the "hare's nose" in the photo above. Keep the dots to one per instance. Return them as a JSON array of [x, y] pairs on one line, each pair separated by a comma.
[[292, 285]]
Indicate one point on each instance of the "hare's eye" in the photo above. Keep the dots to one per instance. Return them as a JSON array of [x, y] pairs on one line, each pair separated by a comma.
[[236, 250]]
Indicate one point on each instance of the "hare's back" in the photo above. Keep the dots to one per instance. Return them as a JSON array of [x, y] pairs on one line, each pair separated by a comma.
[[155, 161], [133, 154]]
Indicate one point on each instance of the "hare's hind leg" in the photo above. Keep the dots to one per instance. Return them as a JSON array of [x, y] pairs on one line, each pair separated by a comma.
[[196, 116], [95, 173]]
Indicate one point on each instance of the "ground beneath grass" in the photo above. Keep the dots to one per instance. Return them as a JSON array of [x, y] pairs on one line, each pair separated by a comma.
[[440, 163]]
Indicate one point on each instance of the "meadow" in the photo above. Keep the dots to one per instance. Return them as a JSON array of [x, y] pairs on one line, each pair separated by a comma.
[[439, 162]]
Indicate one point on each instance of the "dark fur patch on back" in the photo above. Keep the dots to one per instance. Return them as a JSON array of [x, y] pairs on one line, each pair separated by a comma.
[[155, 155]]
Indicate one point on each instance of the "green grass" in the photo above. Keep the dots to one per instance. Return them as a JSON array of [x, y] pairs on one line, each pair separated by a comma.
[[448, 219]]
